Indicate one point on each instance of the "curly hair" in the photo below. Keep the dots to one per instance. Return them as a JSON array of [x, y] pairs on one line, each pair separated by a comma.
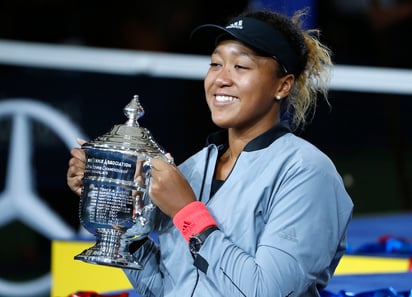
[[314, 65]]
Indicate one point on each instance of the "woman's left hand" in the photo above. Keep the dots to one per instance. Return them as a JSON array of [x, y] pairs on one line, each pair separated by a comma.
[[169, 189]]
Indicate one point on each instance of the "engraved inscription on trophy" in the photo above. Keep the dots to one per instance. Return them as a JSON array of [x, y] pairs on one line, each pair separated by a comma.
[[114, 205]]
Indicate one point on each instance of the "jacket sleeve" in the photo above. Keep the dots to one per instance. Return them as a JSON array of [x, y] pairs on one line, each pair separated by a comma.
[[148, 281], [299, 248]]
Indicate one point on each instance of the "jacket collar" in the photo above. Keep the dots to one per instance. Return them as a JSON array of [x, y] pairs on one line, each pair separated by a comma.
[[260, 142]]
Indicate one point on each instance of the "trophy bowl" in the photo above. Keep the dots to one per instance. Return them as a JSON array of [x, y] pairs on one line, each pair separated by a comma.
[[114, 204]]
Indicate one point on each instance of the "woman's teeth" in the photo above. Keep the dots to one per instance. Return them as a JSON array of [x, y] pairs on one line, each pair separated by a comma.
[[225, 98]]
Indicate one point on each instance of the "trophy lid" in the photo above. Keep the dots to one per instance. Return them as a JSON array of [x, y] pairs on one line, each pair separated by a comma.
[[128, 137]]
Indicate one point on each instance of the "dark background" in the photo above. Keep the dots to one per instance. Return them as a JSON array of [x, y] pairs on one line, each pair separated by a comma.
[[367, 135]]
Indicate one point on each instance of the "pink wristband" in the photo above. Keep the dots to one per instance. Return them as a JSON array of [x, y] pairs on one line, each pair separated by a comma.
[[193, 219]]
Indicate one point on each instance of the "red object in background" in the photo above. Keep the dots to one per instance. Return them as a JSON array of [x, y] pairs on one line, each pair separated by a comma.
[[95, 294]]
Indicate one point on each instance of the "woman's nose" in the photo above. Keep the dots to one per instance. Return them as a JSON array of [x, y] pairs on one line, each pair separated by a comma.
[[224, 77]]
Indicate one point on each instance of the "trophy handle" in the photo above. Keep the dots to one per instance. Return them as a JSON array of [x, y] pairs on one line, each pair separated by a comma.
[[147, 172], [145, 214]]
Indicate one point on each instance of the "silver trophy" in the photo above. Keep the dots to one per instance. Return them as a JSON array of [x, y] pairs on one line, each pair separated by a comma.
[[114, 205]]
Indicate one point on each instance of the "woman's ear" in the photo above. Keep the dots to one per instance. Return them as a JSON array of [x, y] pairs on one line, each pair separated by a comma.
[[285, 85]]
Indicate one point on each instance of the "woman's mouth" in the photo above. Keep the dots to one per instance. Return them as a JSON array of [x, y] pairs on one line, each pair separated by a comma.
[[225, 99]]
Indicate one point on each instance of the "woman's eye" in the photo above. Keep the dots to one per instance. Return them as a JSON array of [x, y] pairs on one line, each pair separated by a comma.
[[214, 64], [240, 67]]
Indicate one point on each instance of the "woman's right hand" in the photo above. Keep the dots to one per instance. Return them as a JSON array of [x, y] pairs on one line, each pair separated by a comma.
[[77, 165]]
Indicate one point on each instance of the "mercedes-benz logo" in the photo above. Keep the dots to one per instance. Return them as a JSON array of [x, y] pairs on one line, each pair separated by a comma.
[[19, 200]]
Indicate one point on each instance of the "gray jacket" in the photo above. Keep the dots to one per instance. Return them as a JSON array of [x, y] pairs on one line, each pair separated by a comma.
[[282, 214]]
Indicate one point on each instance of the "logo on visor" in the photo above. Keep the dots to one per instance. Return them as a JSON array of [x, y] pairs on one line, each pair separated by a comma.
[[236, 25]]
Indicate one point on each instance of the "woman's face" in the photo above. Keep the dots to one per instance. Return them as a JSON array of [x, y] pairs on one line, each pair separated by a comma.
[[240, 88]]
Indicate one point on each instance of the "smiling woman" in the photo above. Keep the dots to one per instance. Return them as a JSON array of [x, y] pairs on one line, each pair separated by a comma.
[[240, 87], [258, 211], [266, 36]]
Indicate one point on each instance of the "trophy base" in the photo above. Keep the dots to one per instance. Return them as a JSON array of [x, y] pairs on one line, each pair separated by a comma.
[[102, 260], [109, 252]]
